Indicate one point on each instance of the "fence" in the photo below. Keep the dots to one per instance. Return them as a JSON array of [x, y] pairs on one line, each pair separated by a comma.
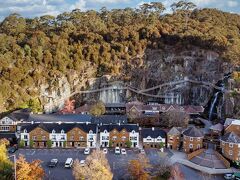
[[194, 154]]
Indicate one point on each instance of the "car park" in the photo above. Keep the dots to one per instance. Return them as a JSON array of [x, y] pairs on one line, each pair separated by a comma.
[[53, 163], [105, 150], [117, 150], [123, 151], [68, 163], [86, 151]]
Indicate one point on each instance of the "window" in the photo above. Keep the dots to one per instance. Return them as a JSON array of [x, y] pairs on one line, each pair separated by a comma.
[[198, 146], [114, 132], [41, 132], [34, 138], [198, 139], [124, 138], [105, 138], [230, 152], [81, 138], [230, 145], [105, 131], [114, 138], [62, 137], [25, 137], [62, 131], [191, 139], [4, 128], [190, 146], [90, 132], [223, 143], [43, 138], [53, 137], [53, 131], [72, 138], [25, 131]]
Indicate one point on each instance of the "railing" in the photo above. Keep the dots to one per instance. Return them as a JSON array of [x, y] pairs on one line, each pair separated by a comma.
[[223, 159], [194, 154]]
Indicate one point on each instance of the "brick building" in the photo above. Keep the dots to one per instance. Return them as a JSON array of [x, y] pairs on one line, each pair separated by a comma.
[[192, 139], [230, 144], [174, 138]]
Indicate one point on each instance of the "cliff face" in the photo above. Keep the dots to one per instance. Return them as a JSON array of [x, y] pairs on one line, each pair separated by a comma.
[[154, 67]]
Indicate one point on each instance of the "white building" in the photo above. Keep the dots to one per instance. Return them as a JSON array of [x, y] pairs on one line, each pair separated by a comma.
[[153, 138]]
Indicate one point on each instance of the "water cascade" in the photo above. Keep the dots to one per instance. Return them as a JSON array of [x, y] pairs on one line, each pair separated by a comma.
[[213, 104], [113, 95]]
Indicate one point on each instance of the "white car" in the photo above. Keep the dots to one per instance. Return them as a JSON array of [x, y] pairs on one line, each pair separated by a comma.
[[86, 151], [69, 163], [82, 163], [228, 176], [123, 151], [105, 151], [142, 151], [117, 150]]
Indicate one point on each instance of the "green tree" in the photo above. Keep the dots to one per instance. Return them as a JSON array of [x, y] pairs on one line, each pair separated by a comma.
[[129, 144], [21, 143], [31, 143], [49, 143], [110, 144]]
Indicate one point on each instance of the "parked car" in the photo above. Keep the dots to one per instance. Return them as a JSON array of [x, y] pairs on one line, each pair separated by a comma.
[[12, 149], [142, 151], [86, 151], [235, 176], [53, 163], [82, 163], [228, 176], [123, 151], [117, 150], [68, 163], [105, 150]]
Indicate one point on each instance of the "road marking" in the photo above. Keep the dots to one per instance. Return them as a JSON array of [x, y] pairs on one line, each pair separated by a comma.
[[33, 153]]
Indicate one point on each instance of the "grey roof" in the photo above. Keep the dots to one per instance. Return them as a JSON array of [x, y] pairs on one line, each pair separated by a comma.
[[231, 137], [115, 105], [21, 114], [120, 127], [193, 132], [175, 131], [228, 121], [153, 133], [58, 127], [75, 118], [110, 119], [217, 127], [7, 135]]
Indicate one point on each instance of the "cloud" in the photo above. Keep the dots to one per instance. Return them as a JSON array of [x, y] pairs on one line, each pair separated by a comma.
[[232, 3], [80, 4]]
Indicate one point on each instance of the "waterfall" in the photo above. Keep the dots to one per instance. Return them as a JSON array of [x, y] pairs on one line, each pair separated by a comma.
[[213, 105], [111, 95]]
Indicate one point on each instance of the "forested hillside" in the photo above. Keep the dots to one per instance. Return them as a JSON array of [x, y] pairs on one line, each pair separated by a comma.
[[33, 51]]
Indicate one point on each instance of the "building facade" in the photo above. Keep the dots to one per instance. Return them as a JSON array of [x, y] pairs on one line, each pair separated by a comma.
[[153, 138], [119, 135], [234, 126], [230, 145], [192, 139], [174, 138]]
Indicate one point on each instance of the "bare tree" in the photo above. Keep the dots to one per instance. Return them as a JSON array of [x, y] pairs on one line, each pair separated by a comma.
[[175, 118], [96, 167]]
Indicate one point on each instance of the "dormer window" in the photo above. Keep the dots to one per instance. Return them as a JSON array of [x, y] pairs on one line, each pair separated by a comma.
[[105, 131], [133, 131], [53, 131], [62, 131], [90, 132], [25, 131]]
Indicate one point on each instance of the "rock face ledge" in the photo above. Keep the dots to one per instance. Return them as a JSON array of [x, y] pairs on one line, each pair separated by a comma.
[[154, 67]]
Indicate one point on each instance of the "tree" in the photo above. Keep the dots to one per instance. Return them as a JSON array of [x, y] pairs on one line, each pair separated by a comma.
[[128, 144], [96, 167], [29, 171], [49, 143], [176, 173], [139, 168], [6, 171], [98, 109], [110, 144], [21, 143], [31, 143], [162, 168], [175, 118]]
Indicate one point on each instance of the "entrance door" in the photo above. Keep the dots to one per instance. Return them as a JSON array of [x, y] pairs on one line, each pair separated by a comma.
[[91, 144]]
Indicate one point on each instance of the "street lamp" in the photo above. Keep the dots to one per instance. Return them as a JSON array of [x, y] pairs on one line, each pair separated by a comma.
[[15, 166]]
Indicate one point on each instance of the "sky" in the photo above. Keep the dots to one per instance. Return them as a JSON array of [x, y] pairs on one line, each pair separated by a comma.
[[33, 8]]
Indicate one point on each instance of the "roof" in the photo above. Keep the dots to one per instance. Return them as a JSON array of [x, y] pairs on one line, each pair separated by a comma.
[[74, 118], [153, 132], [228, 121], [110, 119], [59, 127], [120, 127], [82, 109], [175, 131], [217, 127], [231, 137], [193, 132], [21, 114], [115, 105], [7, 135]]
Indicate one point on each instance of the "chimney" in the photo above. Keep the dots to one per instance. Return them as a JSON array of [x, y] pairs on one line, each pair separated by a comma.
[[119, 124], [32, 122], [152, 128], [87, 123]]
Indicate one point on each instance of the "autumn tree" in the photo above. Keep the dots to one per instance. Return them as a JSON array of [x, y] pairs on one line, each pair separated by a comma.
[[6, 170], [29, 171], [96, 167], [175, 118], [139, 168], [97, 109]]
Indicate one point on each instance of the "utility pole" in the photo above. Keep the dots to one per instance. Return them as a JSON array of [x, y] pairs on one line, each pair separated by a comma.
[[15, 166]]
